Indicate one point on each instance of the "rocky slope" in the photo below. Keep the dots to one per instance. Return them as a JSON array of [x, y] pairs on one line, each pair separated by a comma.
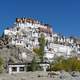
[[16, 54]]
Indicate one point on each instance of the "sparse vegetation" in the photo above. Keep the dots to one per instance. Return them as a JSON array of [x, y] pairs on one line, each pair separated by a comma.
[[70, 64], [1, 65]]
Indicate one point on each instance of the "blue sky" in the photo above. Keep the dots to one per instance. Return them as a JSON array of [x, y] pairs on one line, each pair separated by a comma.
[[63, 15]]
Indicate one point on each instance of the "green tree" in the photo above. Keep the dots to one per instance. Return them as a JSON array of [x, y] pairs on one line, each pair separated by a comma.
[[34, 65], [40, 51], [42, 45], [36, 50]]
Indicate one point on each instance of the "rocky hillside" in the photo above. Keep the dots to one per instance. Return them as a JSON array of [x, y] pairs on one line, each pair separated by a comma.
[[16, 54]]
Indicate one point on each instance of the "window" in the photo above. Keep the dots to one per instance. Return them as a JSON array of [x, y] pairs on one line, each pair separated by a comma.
[[78, 49], [50, 35], [33, 32], [21, 69], [26, 45], [20, 41], [14, 68], [32, 39]]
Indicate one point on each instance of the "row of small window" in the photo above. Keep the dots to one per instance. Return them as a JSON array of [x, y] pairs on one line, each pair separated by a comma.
[[20, 68]]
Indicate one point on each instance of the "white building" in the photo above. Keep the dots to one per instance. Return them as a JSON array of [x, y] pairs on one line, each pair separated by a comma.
[[16, 68], [26, 33]]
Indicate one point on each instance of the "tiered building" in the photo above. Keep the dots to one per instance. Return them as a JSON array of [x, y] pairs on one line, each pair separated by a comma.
[[26, 33]]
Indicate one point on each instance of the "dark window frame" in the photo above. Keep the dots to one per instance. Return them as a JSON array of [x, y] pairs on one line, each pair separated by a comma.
[[21, 69], [14, 69]]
